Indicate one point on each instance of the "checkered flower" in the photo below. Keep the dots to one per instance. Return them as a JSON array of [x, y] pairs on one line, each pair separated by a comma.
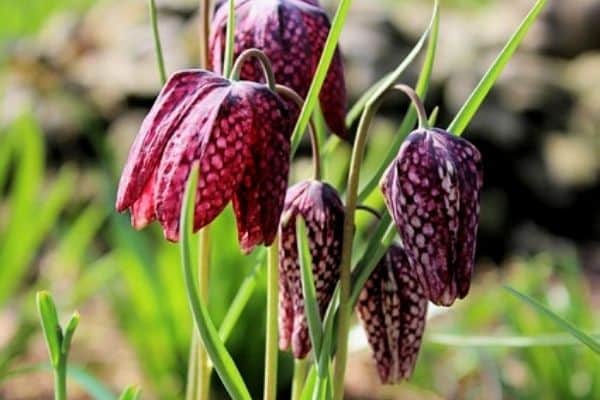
[[392, 307], [292, 34], [321, 208], [432, 192], [238, 132]]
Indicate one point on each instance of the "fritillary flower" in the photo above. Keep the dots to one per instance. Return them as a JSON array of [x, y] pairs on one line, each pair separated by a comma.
[[432, 191], [392, 307], [238, 132], [321, 208], [292, 34]]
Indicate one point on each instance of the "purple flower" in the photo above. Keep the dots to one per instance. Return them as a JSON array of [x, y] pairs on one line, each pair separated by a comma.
[[321, 208], [432, 192], [392, 307], [239, 132], [292, 34]]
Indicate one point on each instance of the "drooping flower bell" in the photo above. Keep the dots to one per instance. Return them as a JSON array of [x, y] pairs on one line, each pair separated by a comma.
[[321, 208], [238, 132], [392, 307], [432, 192], [292, 34]]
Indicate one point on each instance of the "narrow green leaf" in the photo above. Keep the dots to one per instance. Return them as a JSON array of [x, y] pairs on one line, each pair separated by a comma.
[[222, 361], [321, 71], [241, 298], [130, 393], [310, 384], [392, 77], [410, 118], [468, 110], [68, 333], [311, 306], [563, 323], [50, 325], [549, 340]]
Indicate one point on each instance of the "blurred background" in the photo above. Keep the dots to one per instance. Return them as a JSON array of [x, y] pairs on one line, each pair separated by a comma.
[[76, 79]]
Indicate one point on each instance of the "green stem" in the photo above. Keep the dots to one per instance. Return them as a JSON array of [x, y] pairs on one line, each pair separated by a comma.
[[157, 45], [60, 379], [270, 383], [262, 59], [345, 307], [204, 365], [191, 389], [414, 98], [205, 15], [230, 43], [300, 370]]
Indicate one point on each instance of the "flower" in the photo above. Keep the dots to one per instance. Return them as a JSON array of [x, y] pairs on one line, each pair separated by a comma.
[[392, 307], [292, 34], [321, 208], [432, 192], [238, 132]]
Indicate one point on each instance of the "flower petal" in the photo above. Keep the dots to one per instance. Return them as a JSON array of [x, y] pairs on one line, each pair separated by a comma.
[[258, 201], [180, 93], [143, 211]]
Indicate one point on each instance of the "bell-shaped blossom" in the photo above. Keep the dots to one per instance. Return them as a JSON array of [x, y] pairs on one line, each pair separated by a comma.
[[238, 133], [292, 34], [432, 191], [321, 208], [392, 307]]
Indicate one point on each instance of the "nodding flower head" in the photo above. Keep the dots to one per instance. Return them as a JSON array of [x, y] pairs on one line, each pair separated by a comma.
[[321, 208], [392, 307], [238, 132], [432, 192], [292, 34]]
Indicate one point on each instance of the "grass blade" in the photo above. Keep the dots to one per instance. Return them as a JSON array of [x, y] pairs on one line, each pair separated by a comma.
[[468, 110], [550, 340], [50, 325], [220, 357], [563, 323], [130, 393], [311, 306]]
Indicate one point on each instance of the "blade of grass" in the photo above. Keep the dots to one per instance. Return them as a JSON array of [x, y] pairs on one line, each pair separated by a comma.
[[50, 325], [220, 357], [563, 323], [311, 306], [468, 110], [392, 77], [130, 393], [551, 340]]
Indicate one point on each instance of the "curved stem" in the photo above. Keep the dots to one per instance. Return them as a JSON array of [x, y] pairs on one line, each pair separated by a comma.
[[205, 16], [345, 308], [270, 382], [60, 379], [414, 97], [291, 94], [264, 62], [230, 39], [370, 210], [157, 46]]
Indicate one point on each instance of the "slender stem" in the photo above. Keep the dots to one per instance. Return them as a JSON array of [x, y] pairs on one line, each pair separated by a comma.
[[191, 390], [230, 44], [345, 307], [204, 365], [60, 379], [157, 46], [414, 97], [205, 16], [270, 383], [300, 370], [262, 59], [370, 210], [291, 94]]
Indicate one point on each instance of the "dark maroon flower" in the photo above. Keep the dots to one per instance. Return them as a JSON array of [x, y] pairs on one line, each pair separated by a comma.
[[239, 132], [292, 34], [321, 208], [392, 306], [432, 191]]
